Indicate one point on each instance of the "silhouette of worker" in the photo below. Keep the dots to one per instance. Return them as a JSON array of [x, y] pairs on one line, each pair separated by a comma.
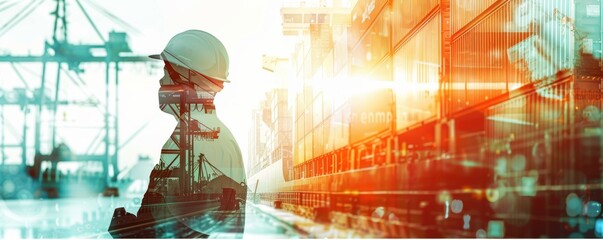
[[199, 184]]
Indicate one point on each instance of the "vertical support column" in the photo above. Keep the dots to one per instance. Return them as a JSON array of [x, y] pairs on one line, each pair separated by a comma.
[[106, 125], [190, 159], [23, 138], [115, 158], [41, 103], [182, 179], [55, 105]]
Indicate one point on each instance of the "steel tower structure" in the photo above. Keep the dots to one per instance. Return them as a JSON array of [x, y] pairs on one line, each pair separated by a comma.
[[60, 51]]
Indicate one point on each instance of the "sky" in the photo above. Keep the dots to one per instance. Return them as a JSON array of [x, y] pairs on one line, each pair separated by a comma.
[[247, 28]]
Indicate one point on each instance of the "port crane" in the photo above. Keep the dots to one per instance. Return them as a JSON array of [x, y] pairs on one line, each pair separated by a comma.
[[113, 52]]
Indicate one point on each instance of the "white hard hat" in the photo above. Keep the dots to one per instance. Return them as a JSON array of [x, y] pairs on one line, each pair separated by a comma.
[[198, 51]]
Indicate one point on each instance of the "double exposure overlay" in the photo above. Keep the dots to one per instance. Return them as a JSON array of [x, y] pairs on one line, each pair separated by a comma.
[[343, 119]]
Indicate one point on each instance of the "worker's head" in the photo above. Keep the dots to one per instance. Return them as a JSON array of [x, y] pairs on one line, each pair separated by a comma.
[[197, 59]]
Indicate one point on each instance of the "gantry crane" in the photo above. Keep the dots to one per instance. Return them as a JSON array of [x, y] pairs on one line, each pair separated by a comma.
[[60, 51]]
